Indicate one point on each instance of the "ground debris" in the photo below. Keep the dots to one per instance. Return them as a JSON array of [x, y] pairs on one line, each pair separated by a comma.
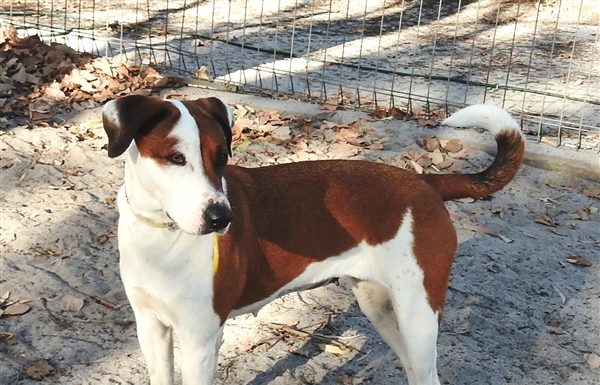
[[39, 80], [39, 369]]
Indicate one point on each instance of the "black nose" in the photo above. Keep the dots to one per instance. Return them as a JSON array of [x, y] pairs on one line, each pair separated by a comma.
[[216, 217]]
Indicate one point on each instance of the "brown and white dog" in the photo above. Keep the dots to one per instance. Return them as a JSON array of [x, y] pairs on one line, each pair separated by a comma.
[[280, 228]]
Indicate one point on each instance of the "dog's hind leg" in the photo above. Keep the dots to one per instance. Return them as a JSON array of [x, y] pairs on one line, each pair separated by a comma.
[[376, 304], [411, 335]]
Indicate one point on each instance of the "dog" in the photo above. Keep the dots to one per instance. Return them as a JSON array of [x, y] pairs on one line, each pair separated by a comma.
[[201, 240]]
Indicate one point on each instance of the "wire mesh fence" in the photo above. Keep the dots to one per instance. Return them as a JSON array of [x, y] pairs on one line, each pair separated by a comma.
[[539, 59]]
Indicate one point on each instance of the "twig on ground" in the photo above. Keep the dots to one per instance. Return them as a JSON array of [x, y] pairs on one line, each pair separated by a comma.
[[283, 329]]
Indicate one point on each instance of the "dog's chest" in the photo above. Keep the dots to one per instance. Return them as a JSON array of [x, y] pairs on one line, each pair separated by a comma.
[[163, 270]]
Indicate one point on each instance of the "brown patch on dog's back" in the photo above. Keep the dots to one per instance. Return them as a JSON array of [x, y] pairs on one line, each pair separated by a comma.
[[310, 211]]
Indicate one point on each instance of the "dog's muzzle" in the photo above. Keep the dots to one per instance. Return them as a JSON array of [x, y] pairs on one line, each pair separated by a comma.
[[217, 217]]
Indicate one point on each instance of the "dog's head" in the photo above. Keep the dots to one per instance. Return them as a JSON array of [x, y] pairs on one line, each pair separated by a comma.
[[178, 153]]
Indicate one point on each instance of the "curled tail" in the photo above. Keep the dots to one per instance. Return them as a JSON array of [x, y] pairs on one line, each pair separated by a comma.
[[511, 150]]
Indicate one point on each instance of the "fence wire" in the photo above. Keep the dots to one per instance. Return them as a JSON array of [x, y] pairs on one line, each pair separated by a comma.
[[539, 59]]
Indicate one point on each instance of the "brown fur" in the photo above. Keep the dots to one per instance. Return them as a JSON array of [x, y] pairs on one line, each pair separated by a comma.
[[148, 120], [288, 216]]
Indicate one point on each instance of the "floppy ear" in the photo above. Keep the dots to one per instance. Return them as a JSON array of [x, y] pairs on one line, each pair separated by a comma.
[[131, 116], [221, 112]]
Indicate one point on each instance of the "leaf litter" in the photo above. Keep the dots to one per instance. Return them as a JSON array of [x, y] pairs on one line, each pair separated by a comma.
[[37, 80]]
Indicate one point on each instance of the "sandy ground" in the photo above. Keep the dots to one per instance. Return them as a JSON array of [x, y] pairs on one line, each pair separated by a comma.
[[517, 312]]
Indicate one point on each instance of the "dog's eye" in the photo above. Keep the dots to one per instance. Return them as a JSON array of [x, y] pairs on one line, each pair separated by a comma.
[[177, 159]]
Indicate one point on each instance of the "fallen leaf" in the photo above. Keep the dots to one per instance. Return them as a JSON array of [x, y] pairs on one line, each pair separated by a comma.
[[40, 116], [593, 360], [431, 143], [545, 220], [335, 349], [569, 181], [417, 167], [444, 164], [583, 214], [4, 297], [427, 122], [328, 107], [242, 145], [20, 76], [453, 145], [505, 239], [413, 154], [55, 92], [392, 112], [202, 73], [104, 66], [16, 309], [282, 133], [579, 260], [550, 183], [71, 303], [437, 156], [457, 166], [101, 239], [592, 191], [499, 211], [5, 336], [549, 140], [480, 229], [424, 161], [342, 151], [4, 88], [39, 369]]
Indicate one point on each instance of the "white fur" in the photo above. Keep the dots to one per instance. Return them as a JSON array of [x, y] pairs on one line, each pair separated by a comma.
[[110, 112], [168, 279], [488, 116], [168, 274], [229, 114]]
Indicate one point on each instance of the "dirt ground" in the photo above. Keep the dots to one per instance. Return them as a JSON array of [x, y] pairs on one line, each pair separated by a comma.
[[523, 305]]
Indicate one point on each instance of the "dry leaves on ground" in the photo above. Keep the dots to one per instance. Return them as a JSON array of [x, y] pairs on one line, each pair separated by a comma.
[[592, 191], [10, 307], [37, 80], [579, 260], [71, 303], [254, 130], [39, 369], [546, 220]]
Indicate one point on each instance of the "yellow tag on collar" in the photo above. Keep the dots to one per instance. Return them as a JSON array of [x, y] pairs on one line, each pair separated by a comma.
[[215, 252]]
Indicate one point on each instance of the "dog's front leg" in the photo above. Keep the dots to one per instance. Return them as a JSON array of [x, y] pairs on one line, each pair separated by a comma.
[[156, 341], [199, 351]]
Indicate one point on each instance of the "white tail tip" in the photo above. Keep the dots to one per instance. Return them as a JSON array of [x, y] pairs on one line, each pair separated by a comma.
[[488, 116]]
